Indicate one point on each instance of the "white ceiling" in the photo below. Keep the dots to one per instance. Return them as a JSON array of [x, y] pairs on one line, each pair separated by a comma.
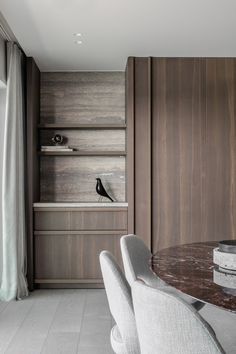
[[112, 30]]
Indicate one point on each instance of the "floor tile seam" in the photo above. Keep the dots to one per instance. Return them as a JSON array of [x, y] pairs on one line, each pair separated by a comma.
[[82, 322], [50, 326], [19, 326]]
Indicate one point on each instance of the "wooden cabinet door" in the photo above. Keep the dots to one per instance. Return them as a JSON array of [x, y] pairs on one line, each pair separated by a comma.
[[72, 258], [68, 242]]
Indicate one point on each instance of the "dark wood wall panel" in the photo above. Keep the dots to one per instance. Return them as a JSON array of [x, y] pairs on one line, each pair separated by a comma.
[[83, 97], [71, 179], [129, 104], [32, 173], [177, 117], [142, 149], [220, 148], [193, 150]]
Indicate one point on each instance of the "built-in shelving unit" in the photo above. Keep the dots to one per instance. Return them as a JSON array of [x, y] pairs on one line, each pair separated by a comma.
[[62, 173], [71, 225]]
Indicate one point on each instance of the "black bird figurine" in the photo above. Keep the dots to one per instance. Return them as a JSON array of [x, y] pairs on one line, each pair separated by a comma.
[[101, 190]]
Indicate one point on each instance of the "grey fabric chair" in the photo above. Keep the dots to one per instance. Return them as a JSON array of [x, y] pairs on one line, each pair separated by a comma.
[[168, 325], [136, 257], [124, 338]]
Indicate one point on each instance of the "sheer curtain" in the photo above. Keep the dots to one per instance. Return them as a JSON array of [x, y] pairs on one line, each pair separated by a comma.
[[14, 285]]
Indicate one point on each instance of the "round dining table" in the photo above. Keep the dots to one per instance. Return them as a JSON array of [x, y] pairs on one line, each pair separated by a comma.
[[190, 269]]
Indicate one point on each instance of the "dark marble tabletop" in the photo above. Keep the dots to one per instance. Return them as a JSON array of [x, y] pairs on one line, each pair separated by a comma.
[[189, 268]]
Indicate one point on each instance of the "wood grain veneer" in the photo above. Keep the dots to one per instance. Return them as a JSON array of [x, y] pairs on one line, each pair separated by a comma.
[[77, 232], [193, 150], [178, 120], [73, 179], [32, 163], [182, 113], [81, 220], [74, 258], [88, 140], [83, 97], [142, 148], [139, 146], [129, 104]]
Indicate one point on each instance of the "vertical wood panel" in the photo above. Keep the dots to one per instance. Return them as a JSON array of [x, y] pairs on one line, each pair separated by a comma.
[[177, 105], [32, 177], [130, 141], [142, 148], [193, 150], [220, 134]]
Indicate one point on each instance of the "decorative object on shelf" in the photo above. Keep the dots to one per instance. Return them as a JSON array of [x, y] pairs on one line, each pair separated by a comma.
[[57, 139], [57, 147], [101, 190]]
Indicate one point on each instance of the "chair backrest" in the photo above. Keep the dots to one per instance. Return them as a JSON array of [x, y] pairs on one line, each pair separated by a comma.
[[166, 324], [136, 257], [120, 301]]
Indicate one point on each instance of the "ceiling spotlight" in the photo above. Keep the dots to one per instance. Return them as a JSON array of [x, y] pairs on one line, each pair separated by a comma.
[[78, 42], [77, 34]]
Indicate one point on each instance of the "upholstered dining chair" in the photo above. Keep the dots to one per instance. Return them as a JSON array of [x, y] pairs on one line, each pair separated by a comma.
[[136, 257], [166, 324], [124, 338]]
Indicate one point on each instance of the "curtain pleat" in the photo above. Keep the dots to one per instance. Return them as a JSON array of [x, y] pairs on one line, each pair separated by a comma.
[[14, 284]]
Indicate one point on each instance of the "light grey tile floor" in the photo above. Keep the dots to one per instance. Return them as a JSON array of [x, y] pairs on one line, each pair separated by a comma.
[[56, 322], [77, 322]]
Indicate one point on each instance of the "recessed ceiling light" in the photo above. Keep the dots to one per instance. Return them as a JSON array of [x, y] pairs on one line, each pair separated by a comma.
[[78, 42], [77, 34]]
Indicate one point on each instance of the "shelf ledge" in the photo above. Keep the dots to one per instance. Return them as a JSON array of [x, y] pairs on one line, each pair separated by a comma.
[[81, 205], [82, 153], [82, 126]]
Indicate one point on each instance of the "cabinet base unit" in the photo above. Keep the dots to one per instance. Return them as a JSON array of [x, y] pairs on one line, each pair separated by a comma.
[[68, 241]]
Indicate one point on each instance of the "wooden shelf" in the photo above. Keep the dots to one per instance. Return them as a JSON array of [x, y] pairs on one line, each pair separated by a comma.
[[68, 281], [82, 153], [78, 232], [82, 126]]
